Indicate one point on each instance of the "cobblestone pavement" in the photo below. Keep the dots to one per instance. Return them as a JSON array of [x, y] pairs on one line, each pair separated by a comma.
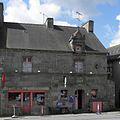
[[89, 116]]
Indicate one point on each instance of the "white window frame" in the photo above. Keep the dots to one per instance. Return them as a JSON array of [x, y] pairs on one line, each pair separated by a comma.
[[27, 64]]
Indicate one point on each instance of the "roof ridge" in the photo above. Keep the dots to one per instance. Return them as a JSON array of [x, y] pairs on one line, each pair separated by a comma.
[[114, 46]]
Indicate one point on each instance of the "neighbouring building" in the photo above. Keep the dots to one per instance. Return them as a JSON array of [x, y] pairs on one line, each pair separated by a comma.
[[114, 70], [49, 68]]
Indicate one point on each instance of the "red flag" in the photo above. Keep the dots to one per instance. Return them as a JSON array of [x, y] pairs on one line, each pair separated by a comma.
[[3, 80]]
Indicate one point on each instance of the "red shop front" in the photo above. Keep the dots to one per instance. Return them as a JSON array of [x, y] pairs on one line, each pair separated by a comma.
[[28, 101]]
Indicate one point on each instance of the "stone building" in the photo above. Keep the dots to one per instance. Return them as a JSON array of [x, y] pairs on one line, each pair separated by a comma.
[[114, 70], [50, 68]]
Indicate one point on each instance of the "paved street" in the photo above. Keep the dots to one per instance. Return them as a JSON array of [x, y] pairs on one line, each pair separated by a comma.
[[91, 116]]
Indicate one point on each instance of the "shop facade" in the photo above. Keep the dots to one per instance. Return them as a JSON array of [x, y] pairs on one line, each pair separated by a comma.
[[48, 69]]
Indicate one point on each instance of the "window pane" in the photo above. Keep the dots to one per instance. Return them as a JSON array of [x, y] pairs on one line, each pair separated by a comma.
[[27, 64], [29, 59], [78, 66]]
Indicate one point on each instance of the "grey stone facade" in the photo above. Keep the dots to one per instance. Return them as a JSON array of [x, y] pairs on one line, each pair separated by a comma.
[[53, 69], [114, 71]]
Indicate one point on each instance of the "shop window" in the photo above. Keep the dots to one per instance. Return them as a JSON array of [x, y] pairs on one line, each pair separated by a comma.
[[27, 64], [26, 97], [14, 96], [64, 93], [78, 66], [39, 98]]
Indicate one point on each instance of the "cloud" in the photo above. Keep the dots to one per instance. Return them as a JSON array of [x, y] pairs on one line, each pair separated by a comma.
[[38, 10], [19, 11], [109, 33], [63, 23], [86, 7], [116, 38]]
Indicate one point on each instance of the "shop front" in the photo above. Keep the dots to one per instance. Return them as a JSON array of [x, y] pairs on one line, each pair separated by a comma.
[[27, 101]]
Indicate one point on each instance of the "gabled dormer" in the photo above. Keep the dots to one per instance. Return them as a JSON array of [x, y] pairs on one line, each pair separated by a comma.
[[77, 41]]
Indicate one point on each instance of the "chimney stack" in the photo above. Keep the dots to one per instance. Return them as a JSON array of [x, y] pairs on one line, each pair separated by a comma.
[[89, 26], [1, 14], [49, 23]]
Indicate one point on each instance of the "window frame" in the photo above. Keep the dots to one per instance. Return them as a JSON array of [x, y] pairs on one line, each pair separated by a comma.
[[78, 50], [27, 64], [78, 67]]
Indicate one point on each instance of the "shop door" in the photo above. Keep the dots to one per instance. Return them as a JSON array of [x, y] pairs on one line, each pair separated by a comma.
[[26, 102], [78, 99], [119, 99]]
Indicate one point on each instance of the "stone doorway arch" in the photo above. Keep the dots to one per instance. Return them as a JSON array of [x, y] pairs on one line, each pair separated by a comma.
[[79, 98]]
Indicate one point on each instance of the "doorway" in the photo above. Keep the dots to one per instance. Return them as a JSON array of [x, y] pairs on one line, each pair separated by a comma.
[[26, 102], [79, 99], [119, 100]]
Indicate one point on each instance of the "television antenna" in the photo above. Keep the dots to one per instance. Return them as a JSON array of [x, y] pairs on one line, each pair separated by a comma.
[[79, 16], [43, 15]]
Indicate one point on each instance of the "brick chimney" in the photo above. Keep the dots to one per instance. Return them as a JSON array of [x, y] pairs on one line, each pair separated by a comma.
[[49, 23], [89, 26], [1, 14]]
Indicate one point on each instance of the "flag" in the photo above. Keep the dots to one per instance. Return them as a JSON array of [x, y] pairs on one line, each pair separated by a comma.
[[3, 80]]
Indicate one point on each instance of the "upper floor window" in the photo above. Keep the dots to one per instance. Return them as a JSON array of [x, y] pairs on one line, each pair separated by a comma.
[[27, 64], [109, 70], [78, 66]]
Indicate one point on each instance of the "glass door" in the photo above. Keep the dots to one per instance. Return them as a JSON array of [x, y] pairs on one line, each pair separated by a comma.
[[26, 102]]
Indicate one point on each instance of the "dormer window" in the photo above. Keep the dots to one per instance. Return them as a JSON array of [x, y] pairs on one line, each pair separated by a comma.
[[77, 41]]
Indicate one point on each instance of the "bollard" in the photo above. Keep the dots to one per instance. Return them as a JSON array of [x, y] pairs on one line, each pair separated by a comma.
[[42, 109], [14, 116], [98, 110]]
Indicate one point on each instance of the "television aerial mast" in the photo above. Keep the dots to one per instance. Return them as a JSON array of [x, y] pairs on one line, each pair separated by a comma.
[[43, 15], [79, 16]]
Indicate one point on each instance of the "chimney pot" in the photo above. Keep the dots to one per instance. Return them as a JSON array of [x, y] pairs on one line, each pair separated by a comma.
[[49, 23], [89, 26]]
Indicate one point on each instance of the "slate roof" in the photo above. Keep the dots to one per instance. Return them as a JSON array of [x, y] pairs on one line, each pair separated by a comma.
[[38, 37], [115, 50]]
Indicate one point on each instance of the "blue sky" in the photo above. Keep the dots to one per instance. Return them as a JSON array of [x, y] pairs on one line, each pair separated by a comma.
[[105, 13]]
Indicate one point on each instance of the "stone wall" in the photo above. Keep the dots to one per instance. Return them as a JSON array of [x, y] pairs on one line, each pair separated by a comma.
[[53, 67]]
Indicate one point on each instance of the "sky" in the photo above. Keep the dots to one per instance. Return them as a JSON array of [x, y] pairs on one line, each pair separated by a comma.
[[104, 13]]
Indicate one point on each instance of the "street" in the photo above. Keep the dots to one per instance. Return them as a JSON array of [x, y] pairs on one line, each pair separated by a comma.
[[86, 116]]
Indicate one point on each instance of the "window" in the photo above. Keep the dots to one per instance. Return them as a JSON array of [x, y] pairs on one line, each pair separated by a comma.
[[78, 66], [39, 98], [94, 93], [14, 96], [64, 93], [27, 64], [78, 48], [65, 81], [109, 70]]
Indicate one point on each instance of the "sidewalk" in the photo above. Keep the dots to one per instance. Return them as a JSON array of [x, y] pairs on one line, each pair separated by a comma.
[[85, 116]]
